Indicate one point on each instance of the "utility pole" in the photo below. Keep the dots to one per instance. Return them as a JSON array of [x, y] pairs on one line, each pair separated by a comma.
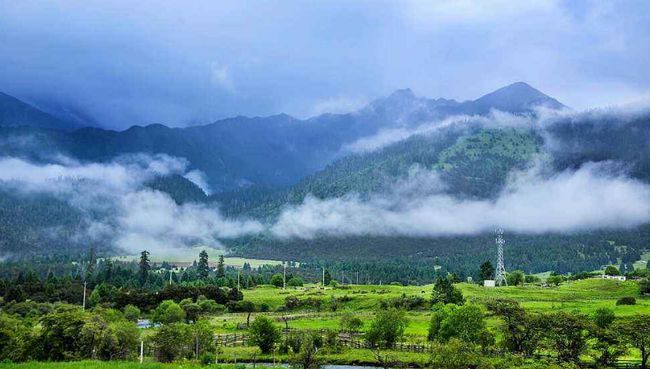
[[238, 288], [170, 277], [323, 277], [83, 306], [284, 276], [357, 278], [141, 351]]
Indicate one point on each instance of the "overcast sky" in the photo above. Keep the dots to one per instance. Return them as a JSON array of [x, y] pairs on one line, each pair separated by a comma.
[[173, 62]]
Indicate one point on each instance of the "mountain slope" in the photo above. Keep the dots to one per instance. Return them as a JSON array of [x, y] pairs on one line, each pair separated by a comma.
[[14, 112], [266, 151]]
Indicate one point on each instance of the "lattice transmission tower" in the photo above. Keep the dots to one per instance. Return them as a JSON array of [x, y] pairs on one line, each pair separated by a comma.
[[500, 273]]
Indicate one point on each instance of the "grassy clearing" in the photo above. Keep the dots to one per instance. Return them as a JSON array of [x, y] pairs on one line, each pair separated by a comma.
[[584, 296]]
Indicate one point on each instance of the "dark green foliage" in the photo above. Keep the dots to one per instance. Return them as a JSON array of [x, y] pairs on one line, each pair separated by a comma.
[[203, 268], [486, 271], [295, 282], [522, 332], [444, 292], [636, 333], [277, 280], [626, 300], [515, 278], [386, 328], [144, 267], [264, 334], [350, 323], [567, 335], [452, 321], [179, 188], [612, 270]]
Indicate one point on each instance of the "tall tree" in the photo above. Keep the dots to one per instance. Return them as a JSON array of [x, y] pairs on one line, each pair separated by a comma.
[[636, 332], [221, 269], [327, 278], [145, 267], [486, 271], [203, 267]]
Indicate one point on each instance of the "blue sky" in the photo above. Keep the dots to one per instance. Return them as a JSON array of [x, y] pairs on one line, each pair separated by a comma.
[[179, 63]]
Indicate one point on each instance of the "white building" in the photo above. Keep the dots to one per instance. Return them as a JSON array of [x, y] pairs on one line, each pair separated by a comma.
[[616, 277], [489, 283]]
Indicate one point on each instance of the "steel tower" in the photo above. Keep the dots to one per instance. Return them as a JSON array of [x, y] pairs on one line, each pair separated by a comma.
[[500, 273]]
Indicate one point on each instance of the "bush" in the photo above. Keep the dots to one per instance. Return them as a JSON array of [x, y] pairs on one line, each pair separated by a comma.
[[277, 280], [131, 313], [264, 334], [208, 358], [295, 282], [612, 270], [350, 323], [387, 328], [627, 300], [168, 312]]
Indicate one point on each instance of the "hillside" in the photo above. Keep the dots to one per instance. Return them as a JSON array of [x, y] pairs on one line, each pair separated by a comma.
[[14, 112]]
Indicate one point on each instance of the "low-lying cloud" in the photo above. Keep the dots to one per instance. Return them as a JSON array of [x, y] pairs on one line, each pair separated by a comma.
[[587, 198], [119, 209]]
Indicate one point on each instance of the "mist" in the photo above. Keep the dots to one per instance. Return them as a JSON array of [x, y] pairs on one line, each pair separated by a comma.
[[118, 209], [592, 197]]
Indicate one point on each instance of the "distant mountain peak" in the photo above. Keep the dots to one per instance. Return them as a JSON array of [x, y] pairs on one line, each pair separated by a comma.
[[516, 97]]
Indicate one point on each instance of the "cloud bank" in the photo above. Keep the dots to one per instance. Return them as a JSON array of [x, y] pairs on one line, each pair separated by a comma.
[[119, 209], [587, 198]]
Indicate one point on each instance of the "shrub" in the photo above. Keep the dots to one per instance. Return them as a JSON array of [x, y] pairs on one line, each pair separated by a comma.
[[350, 323], [131, 313], [264, 334], [277, 280], [295, 282], [387, 328], [627, 300]]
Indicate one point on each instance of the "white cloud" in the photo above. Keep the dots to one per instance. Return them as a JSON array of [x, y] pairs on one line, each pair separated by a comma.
[[198, 178], [118, 209], [568, 201]]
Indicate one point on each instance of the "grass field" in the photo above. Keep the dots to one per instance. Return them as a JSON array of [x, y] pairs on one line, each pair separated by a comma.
[[584, 296]]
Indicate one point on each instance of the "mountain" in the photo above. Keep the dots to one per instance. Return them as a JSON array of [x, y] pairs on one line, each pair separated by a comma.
[[271, 151], [518, 97], [14, 112]]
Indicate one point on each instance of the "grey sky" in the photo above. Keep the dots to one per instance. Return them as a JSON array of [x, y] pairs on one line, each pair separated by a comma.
[[177, 63]]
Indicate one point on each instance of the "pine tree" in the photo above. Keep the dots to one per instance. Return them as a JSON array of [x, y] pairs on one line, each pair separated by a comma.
[[487, 271], [221, 270], [328, 277], [144, 267], [203, 267]]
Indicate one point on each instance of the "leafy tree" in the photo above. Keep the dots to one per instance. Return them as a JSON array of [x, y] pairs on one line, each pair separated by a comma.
[[60, 335], [567, 334], [295, 282], [221, 268], [486, 271], [131, 313], [515, 278], [386, 328], [636, 333], [350, 323], [445, 292], [603, 317], [203, 268], [244, 306], [144, 267], [612, 270], [451, 321], [455, 354], [555, 279], [644, 286], [522, 332], [307, 356], [277, 280], [264, 334], [172, 341], [168, 312]]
